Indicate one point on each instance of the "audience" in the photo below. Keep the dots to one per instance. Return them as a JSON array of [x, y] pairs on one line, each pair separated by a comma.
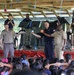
[[37, 66]]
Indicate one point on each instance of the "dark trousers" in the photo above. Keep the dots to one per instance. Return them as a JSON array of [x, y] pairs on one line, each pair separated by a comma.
[[49, 52], [25, 38]]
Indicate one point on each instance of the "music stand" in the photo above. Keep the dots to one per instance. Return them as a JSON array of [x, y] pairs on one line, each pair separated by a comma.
[[35, 23], [62, 20], [24, 24], [53, 24]]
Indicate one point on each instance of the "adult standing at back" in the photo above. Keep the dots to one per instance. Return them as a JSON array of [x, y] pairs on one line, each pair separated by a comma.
[[9, 21], [60, 39], [26, 38], [27, 19], [7, 37], [49, 41]]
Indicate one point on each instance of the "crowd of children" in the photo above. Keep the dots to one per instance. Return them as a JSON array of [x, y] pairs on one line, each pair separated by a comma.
[[37, 66]]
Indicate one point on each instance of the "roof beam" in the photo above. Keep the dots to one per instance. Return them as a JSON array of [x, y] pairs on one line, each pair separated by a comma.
[[21, 14], [68, 12], [55, 13], [45, 8], [2, 15], [32, 9], [31, 13], [44, 14]]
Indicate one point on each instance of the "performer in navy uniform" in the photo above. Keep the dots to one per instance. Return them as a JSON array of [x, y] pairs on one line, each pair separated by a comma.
[[49, 41]]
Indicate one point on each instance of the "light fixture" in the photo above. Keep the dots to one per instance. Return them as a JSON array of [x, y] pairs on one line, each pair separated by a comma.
[[72, 8], [11, 0], [11, 10], [15, 10]]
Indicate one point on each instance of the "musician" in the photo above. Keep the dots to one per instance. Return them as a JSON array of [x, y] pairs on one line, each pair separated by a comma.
[[9, 22], [27, 19], [25, 38]]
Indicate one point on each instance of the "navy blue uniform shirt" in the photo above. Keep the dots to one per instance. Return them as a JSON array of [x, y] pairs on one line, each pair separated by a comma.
[[48, 31], [10, 25]]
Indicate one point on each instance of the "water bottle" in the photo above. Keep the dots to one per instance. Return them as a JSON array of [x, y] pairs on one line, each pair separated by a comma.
[[35, 48]]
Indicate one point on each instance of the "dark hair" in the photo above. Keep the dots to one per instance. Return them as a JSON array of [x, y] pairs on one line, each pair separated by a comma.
[[53, 69], [36, 66], [46, 21], [61, 60], [71, 65], [67, 57], [46, 62], [31, 60], [18, 65], [9, 60], [27, 14], [9, 15], [53, 24], [70, 68], [24, 56], [55, 60], [24, 72]]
